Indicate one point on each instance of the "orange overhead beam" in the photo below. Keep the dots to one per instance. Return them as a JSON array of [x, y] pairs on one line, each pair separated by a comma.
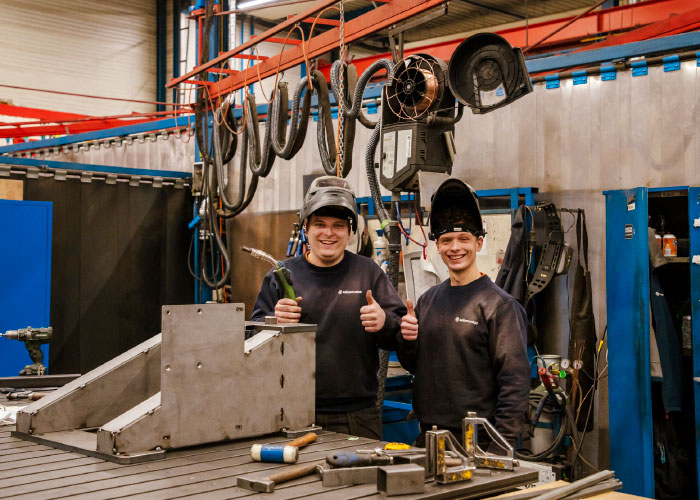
[[355, 29]]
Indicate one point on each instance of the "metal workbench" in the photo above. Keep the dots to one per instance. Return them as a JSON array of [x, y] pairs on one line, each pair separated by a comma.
[[29, 470]]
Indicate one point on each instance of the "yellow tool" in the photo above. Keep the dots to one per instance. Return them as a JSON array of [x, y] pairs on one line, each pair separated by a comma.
[[397, 446]]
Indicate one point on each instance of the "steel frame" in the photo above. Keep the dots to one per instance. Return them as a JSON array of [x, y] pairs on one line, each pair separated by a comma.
[[198, 382], [355, 29], [612, 20]]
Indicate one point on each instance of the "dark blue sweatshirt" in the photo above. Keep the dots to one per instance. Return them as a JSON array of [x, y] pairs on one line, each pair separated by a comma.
[[346, 355], [470, 355]]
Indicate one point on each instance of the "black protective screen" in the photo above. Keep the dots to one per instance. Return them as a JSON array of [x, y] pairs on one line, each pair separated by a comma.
[[119, 253]]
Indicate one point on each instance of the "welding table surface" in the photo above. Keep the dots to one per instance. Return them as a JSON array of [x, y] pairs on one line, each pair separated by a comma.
[[29, 470]]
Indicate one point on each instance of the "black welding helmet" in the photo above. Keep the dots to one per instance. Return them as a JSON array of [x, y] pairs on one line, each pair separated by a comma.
[[454, 208], [330, 196]]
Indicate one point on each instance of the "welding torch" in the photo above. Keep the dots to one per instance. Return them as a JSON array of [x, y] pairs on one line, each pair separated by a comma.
[[281, 272]]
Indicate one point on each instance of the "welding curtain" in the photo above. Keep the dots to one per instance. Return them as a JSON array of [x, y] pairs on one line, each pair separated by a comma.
[[119, 253]]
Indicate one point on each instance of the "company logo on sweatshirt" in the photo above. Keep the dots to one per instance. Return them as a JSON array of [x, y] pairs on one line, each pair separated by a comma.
[[342, 292], [462, 320]]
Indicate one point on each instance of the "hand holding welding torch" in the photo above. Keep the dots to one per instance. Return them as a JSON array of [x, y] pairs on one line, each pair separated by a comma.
[[409, 323], [288, 310], [372, 315]]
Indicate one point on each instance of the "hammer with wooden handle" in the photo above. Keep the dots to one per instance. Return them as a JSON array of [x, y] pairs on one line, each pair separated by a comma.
[[267, 484]]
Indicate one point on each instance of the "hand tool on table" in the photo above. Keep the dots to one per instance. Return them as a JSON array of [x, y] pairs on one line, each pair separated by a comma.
[[32, 338], [359, 459], [32, 396], [287, 453], [281, 273], [267, 484]]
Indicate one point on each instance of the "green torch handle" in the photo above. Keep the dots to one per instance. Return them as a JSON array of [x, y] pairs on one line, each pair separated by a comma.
[[288, 290]]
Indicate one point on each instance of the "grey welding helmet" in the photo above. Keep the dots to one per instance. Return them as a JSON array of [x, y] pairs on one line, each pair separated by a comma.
[[454, 208], [330, 196]]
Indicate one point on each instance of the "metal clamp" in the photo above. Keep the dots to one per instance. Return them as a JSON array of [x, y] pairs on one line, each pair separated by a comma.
[[476, 455], [438, 444]]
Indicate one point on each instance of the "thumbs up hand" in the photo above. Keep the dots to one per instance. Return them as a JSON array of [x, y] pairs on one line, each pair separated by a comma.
[[372, 315], [409, 323]]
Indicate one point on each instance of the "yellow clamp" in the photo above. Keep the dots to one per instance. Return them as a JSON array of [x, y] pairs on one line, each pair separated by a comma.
[[397, 446]]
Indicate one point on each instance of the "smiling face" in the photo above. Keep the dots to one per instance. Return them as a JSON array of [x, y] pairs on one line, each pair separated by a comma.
[[458, 251], [328, 237]]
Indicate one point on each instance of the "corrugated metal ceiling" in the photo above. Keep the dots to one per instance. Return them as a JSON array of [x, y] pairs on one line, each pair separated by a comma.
[[463, 15]]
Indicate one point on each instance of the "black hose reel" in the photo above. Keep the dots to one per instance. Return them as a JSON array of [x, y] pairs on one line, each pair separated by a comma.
[[486, 73]]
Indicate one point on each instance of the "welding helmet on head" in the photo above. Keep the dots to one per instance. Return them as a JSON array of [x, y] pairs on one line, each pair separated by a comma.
[[454, 208], [330, 196]]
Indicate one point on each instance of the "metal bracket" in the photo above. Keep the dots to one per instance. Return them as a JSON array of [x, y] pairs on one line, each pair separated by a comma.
[[86, 177], [399, 29], [5, 170], [157, 182], [608, 73], [437, 445], [579, 77], [476, 455], [671, 63], [552, 81], [639, 68]]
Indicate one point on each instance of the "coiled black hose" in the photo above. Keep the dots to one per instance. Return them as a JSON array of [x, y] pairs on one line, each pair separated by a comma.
[[355, 103], [260, 162], [285, 147], [232, 209], [537, 399], [212, 282]]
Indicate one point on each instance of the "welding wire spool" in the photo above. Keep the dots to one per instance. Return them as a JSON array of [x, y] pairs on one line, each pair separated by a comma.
[[276, 454], [417, 86]]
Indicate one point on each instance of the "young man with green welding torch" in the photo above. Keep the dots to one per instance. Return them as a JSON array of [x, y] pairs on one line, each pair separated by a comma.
[[352, 302]]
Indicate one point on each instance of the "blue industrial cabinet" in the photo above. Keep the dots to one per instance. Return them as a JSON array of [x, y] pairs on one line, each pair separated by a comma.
[[25, 276], [628, 303]]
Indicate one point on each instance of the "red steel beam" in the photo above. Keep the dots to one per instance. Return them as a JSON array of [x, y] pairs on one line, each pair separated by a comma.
[[241, 48], [608, 20], [40, 114], [355, 29], [681, 23]]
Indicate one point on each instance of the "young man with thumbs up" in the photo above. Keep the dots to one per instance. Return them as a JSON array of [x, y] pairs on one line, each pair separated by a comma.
[[352, 302], [465, 340]]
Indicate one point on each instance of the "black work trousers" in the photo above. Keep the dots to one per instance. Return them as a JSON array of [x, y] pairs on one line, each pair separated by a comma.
[[366, 422]]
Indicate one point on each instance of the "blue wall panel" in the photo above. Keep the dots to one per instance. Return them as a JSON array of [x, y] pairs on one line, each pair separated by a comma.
[[25, 276], [694, 215], [627, 281]]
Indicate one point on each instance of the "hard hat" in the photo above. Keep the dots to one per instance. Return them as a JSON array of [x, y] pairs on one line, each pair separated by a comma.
[[454, 208], [334, 195]]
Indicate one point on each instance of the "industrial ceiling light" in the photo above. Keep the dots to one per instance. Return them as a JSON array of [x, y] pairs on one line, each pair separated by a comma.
[[256, 3]]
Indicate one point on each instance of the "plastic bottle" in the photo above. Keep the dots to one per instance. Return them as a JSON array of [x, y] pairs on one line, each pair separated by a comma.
[[381, 248], [670, 245]]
